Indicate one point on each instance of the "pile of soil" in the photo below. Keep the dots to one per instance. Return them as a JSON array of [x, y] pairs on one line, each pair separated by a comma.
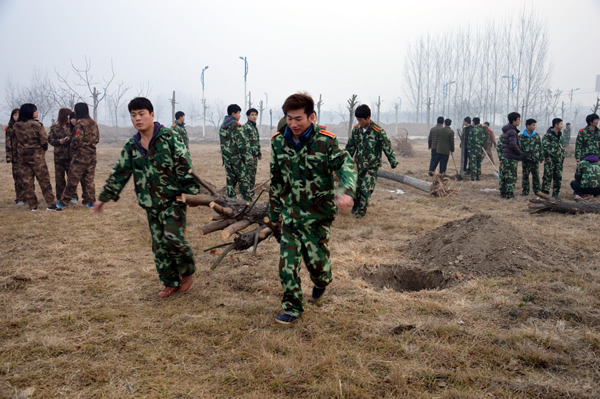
[[480, 245]]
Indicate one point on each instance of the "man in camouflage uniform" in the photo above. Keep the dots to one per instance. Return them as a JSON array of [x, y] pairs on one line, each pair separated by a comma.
[[475, 143], [179, 127], [553, 152], [304, 200], [366, 143], [12, 157], [235, 151], [467, 127], [587, 177], [531, 156], [159, 162], [510, 153], [490, 140], [32, 144], [60, 138], [567, 135], [83, 164], [588, 139], [253, 137]]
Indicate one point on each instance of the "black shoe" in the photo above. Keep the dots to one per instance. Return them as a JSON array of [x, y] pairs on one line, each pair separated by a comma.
[[318, 292], [285, 318]]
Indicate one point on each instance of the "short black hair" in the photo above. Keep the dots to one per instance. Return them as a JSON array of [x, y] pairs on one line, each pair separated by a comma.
[[487, 124], [440, 119], [513, 116], [468, 119], [179, 114], [233, 109], [82, 110], [448, 122], [26, 112], [476, 120], [556, 121], [251, 110], [590, 118], [568, 123], [140, 103], [530, 122], [363, 111]]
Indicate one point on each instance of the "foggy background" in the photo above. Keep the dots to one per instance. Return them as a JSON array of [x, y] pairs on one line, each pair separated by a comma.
[[330, 48]]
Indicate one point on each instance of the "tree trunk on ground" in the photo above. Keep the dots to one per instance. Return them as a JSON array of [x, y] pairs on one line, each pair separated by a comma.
[[545, 203], [409, 181]]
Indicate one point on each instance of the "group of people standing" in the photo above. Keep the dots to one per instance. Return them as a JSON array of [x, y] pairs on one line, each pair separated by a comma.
[[526, 146], [74, 137]]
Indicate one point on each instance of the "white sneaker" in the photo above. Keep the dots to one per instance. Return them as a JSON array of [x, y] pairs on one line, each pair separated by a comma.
[[20, 203], [73, 200]]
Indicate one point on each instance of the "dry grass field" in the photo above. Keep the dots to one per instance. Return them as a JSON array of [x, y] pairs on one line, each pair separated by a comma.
[[517, 314]]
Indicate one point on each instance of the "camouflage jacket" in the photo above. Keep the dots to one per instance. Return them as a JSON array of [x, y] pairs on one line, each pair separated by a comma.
[[366, 147], [61, 151], [85, 138], [490, 140], [499, 146], [302, 187], [567, 136], [588, 142], [588, 173], [180, 128], [159, 174], [531, 147], [10, 145], [32, 140], [552, 146], [251, 133], [235, 147], [476, 140]]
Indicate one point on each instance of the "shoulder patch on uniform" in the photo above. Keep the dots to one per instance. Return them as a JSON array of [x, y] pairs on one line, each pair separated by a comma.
[[174, 124], [327, 133], [323, 127], [275, 134], [238, 122], [5, 128], [376, 128], [76, 132], [581, 130], [355, 125]]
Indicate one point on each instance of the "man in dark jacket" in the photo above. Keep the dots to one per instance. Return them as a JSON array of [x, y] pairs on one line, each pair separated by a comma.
[[445, 146], [467, 127], [432, 144], [511, 153]]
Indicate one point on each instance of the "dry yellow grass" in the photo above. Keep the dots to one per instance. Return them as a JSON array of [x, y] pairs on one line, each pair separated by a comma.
[[79, 316]]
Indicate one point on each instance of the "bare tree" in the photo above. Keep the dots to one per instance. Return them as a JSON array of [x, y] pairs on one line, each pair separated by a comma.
[[595, 107], [84, 78], [352, 103], [115, 101]]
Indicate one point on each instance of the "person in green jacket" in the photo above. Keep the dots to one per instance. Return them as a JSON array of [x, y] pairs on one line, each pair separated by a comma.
[[304, 200], [475, 143], [553, 151], [444, 146], [367, 141], [588, 138], [531, 156], [160, 164], [253, 137], [587, 177], [179, 127]]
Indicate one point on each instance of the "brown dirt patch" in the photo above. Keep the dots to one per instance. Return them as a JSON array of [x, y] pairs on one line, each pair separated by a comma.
[[481, 245]]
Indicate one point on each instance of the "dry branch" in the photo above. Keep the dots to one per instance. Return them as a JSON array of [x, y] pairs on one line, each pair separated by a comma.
[[546, 203]]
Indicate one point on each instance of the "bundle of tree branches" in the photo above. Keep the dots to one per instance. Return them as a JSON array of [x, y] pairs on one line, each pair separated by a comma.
[[402, 145], [232, 216], [441, 186], [545, 203]]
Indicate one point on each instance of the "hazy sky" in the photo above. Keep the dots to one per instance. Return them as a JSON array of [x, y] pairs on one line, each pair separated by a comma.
[[333, 48]]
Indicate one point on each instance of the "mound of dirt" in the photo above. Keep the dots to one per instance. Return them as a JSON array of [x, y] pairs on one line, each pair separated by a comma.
[[480, 245]]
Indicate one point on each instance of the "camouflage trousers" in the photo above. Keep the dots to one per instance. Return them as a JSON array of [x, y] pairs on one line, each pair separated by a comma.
[[308, 242], [508, 177], [533, 169], [19, 188], [172, 253], [82, 170], [237, 174], [365, 185], [252, 168], [475, 164], [552, 176], [61, 174], [30, 171]]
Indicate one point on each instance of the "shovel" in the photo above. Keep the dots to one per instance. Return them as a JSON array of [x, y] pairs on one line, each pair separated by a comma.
[[496, 175], [458, 175]]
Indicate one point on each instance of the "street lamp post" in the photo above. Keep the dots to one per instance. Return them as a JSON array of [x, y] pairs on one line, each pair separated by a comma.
[[267, 102], [203, 103], [571, 96], [245, 59]]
